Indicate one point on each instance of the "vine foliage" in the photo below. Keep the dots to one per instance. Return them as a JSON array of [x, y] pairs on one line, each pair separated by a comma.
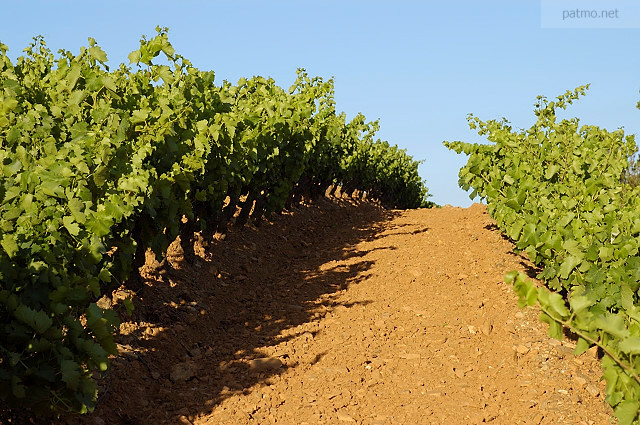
[[98, 165], [557, 190]]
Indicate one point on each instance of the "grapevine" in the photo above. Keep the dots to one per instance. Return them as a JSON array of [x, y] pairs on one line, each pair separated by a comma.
[[559, 191], [99, 165]]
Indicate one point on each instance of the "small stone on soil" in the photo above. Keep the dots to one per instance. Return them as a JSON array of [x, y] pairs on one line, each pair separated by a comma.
[[181, 372], [265, 364]]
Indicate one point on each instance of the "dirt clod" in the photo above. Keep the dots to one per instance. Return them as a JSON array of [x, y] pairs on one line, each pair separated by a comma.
[[265, 364], [181, 372]]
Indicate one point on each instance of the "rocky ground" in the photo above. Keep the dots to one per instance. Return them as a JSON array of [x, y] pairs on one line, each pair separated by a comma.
[[341, 312]]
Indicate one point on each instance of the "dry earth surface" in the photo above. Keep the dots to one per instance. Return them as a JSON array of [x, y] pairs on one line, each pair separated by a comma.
[[345, 313]]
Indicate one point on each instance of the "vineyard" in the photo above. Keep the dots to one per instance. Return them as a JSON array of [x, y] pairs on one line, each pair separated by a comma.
[[565, 195], [147, 212], [99, 165]]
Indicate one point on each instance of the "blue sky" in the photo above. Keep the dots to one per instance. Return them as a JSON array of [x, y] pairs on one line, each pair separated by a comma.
[[418, 66]]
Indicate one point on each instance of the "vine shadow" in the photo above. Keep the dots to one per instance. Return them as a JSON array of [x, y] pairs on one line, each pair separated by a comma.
[[201, 331]]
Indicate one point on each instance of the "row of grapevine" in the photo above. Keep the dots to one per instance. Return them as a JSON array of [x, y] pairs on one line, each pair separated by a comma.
[[99, 165], [558, 191]]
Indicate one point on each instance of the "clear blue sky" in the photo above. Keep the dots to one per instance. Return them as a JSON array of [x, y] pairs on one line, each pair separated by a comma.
[[418, 66]]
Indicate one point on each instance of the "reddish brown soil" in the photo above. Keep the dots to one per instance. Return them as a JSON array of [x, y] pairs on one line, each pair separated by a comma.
[[341, 313]]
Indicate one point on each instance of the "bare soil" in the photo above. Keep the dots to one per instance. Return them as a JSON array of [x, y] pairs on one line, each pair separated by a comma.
[[343, 312]]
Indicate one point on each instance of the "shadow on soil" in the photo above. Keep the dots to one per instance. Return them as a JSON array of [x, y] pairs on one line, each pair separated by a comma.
[[528, 267], [197, 329]]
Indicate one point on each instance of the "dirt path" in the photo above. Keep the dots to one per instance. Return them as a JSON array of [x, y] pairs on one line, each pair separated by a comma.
[[348, 314]]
